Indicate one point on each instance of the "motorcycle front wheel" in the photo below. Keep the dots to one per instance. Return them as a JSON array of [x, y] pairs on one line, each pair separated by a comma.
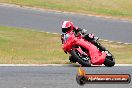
[[84, 63]]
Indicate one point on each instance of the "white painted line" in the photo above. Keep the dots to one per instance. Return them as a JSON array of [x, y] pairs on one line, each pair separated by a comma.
[[59, 65], [127, 43], [115, 42], [123, 64], [35, 65], [111, 41], [120, 42], [114, 65], [105, 40], [55, 33]]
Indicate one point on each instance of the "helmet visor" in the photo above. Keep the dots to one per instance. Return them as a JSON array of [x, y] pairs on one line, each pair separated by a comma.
[[64, 30]]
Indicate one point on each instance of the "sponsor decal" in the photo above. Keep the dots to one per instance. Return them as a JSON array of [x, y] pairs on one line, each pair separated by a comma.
[[83, 78]]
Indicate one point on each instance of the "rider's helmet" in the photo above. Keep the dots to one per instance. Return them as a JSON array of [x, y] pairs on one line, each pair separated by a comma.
[[67, 26]]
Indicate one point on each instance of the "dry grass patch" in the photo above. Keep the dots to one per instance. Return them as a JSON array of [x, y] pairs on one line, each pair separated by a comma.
[[23, 46], [116, 8]]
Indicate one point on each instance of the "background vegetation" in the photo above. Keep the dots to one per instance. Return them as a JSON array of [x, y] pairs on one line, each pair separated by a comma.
[[115, 8]]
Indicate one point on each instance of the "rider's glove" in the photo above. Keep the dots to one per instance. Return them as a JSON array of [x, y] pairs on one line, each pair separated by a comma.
[[62, 38], [91, 36], [84, 31]]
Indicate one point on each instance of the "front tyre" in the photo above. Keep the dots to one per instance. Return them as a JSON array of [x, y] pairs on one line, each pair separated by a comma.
[[72, 59], [80, 60]]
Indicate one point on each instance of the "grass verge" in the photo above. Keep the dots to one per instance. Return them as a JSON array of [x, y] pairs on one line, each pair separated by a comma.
[[19, 46], [116, 8], [23, 46]]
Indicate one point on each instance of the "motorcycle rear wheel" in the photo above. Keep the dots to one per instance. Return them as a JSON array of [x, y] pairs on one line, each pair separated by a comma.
[[79, 60], [109, 62]]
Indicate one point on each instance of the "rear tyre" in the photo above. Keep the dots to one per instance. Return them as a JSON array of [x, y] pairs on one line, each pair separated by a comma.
[[80, 60], [109, 61]]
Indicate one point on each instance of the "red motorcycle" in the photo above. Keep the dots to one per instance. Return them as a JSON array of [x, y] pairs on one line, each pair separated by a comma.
[[85, 52]]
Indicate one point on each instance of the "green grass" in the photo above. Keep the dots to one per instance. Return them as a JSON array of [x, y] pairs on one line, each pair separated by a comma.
[[116, 8], [19, 46], [23, 46]]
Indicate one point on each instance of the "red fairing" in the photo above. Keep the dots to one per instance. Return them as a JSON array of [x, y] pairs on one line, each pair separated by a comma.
[[97, 57]]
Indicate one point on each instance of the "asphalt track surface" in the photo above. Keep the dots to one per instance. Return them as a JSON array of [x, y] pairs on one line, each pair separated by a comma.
[[55, 77], [50, 21]]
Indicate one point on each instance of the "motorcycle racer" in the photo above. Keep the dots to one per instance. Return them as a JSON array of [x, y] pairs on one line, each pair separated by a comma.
[[68, 26]]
